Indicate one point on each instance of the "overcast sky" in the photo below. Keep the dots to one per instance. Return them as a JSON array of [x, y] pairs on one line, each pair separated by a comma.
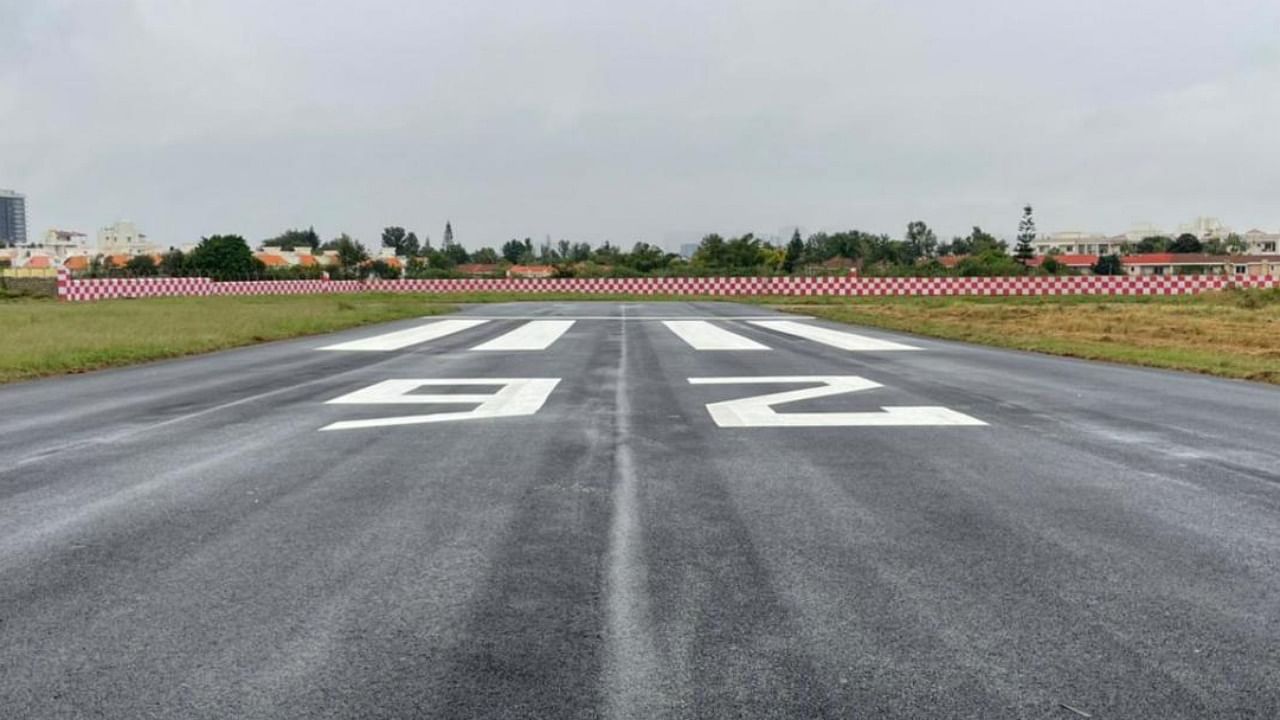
[[654, 121]]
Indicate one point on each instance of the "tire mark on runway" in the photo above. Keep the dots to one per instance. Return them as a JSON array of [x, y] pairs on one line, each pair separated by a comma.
[[633, 673], [532, 643]]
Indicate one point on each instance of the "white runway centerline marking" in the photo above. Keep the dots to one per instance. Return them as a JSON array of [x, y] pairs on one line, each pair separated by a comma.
[[834, 338], [702, 335], [405, 338], [534, 335]]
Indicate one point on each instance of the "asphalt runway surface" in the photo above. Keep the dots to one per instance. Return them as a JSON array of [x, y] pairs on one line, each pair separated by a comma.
[[638, 510]]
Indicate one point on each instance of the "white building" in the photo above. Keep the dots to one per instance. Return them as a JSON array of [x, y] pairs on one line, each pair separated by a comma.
[[61, 243], [1077, 243], [1205, 228], [123, 238], [1258, 242], [1142, 231]]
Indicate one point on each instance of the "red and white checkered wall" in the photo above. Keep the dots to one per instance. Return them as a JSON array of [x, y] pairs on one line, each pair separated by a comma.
[[79, 290]]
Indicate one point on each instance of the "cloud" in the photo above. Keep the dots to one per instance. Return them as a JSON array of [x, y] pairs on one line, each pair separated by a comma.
[[591, 121]]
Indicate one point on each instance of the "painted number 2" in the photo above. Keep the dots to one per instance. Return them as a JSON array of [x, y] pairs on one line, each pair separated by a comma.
[[516, 397], [758, 411]]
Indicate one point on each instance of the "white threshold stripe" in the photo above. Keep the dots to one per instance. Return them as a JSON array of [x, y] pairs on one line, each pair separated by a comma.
[[702, 335], [405, 338], [834, 338], [634, 318], [533, 335]]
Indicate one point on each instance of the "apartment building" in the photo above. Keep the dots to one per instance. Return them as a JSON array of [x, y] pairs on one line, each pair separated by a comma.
[[123, 238], [13, 218]]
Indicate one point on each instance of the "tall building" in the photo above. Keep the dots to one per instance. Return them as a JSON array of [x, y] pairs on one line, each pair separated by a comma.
[[13, 218], [123, 238]]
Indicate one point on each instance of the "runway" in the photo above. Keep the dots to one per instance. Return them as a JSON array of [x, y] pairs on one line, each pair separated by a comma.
[[638, 510]]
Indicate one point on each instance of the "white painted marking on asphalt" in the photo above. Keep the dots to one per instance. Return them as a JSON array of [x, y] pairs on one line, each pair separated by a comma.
[[517, 397], [634, 318], [702, 335], [758, 411], [834, 338], [404, 338], [534, 335]]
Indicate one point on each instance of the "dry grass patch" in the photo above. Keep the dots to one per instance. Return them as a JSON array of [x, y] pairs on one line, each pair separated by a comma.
[[1233, 334]]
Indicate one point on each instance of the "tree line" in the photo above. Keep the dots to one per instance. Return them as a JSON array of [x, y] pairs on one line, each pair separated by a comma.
[[918, 252]]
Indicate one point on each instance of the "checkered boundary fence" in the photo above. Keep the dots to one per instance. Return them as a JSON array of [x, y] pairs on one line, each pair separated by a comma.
[[80, 290]]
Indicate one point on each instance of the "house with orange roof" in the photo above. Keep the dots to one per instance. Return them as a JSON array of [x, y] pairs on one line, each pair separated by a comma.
[[272, 260], [1200, 264], [531, 271], [1082, 263]]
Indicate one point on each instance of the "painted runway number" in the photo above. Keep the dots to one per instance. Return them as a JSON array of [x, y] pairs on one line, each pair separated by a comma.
[[757, 411], [515, 397], [518, 397]]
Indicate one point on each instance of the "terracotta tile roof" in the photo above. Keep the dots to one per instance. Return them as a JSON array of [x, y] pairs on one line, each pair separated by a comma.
[[271, 260], [76, 262], [1175, 259], [307, 260], [531, 270], [39, 262]]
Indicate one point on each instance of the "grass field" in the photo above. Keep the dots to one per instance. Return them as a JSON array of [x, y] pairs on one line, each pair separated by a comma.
[[1232, 334], [45, 337]]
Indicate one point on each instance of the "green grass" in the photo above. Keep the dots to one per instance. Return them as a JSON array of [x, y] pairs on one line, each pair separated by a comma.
[[1232, 334], [45, 337]]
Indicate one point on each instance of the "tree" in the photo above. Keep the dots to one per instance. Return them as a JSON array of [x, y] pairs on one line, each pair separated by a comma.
[[1234, 245], [795, 252], [580, 252], [547, 252], [223, 257], [646, 258], [512, 250], [1153, 244], [141, 266], [405, 244], [173, 263], [921, 241], [975, 243], [351, 252], [1109, 265], [1024, 251], [1187, 243], [294, 239], [486, 255], [455, 254], [383, 269]]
